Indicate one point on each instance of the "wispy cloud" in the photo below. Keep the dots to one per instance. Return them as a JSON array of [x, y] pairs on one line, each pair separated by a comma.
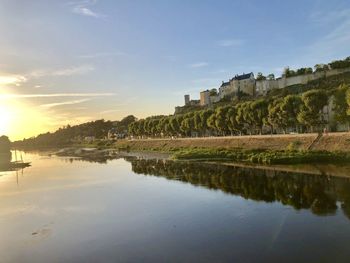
[[12, 80], [19, 96], [73, 70], [110, 111], [103, 54], [230, 42], [70, 71], [198, 65], [338, 37], [70, 102], [85, 8]]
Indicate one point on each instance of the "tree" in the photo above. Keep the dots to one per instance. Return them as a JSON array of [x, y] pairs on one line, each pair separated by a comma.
[[321, 67], [220, 119], [204, 116], [5, 144], [313, 103], [174, 124], [260, 76], [259, 113], [211, 121], [271, 76], [240, 116], [197, 121], [341, 106], [291, 107], [275, 117], [244, 115], [348, 100], [232, 124], [187, 124], [288, 72]]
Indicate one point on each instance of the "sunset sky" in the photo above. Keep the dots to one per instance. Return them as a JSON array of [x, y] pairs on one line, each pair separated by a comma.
[[67, 62]]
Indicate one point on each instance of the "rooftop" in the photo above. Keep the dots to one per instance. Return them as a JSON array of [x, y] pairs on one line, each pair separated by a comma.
[[243, 76]]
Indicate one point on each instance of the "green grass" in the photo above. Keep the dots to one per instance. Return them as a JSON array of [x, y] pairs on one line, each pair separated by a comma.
[[262, 156]]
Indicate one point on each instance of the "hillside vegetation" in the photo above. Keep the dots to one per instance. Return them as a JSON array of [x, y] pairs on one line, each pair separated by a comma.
[[297, 108]]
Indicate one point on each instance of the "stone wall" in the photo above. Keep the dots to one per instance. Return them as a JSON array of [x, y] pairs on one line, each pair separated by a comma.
[[263, 86]]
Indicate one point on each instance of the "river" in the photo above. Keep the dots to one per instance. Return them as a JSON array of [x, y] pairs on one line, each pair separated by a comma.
[[144, 210]]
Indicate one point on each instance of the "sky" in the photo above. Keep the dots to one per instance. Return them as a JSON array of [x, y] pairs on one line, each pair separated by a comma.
[[68, 62]]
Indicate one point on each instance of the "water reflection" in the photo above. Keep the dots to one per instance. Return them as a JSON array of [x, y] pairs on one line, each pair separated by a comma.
[[319, 193]]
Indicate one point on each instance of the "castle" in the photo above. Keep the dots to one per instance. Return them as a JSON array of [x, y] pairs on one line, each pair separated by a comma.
[[247, 84]]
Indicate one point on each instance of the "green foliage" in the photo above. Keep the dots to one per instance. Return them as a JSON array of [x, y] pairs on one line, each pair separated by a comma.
[[271, 76], [341, 105], [275, 115], [259, 113], [221, 123], [294, 146], [348, 100], [290, 108], [262, 156], [67, 135], [213, 92], [313, 103], [339, 64], [301, 71], [260, 76], [321, 67]]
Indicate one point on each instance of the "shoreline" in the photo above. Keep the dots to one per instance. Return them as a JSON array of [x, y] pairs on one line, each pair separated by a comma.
[[308, 148]]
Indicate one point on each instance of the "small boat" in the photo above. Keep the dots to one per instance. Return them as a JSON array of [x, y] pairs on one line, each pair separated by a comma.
[[13, 166]]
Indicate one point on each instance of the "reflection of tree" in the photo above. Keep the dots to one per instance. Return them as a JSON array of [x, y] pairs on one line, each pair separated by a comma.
[[345, 194], [5, 158], [318, 193]]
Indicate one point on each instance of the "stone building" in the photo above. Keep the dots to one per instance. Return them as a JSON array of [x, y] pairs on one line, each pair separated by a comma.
[[244, 83], [208, 97]]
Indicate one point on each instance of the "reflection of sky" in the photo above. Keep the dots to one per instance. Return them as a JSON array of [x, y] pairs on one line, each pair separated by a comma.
[[86, 211]]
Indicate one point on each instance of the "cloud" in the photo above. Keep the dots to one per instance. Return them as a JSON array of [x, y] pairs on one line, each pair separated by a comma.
[[230, 42], [19, 96], [84, 8], [12, 80], [103, 54], [109, 111], [73, 71], [70, 102], [70, 71], [199, 65], [338, 37]]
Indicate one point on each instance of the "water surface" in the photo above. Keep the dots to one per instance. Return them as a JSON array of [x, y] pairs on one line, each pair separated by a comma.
[[137, 210]]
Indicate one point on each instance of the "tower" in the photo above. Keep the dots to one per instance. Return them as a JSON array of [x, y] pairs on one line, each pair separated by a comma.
[[187, 100]]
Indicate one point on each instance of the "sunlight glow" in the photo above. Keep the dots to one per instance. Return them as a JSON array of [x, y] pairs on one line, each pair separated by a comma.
[[5, 118], [7, 80], [19, 120]]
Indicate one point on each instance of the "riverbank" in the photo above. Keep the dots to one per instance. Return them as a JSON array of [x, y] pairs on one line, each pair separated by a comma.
[[264, 149]]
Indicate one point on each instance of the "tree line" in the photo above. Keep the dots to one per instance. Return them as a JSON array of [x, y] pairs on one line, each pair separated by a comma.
[[301, 113]]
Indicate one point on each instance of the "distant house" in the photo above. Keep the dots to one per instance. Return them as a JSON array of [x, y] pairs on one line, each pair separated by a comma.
[[113, 134]]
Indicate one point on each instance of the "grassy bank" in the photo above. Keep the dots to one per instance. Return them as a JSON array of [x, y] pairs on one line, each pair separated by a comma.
[[262, 156], [275, 149]]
